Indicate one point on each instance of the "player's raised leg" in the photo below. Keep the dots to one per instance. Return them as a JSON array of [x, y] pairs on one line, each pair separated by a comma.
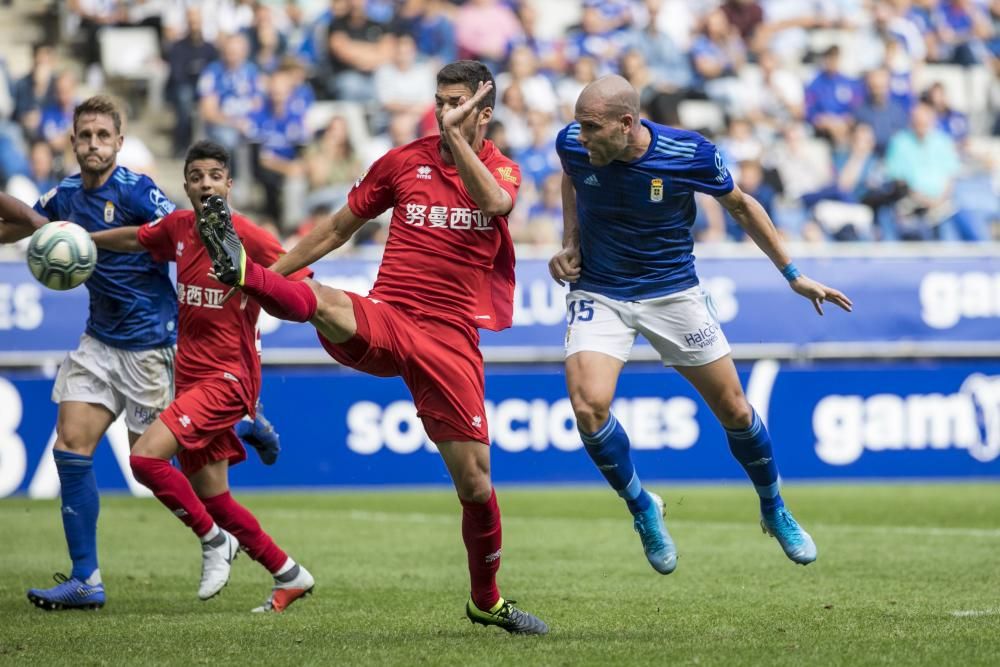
[[591, 378], [79, 427], [750, 443], [150, 461], [291, 580], [469, 466]]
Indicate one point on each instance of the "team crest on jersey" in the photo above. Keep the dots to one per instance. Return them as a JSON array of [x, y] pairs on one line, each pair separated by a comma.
[[109, 212], [507, 174], [656, 189]]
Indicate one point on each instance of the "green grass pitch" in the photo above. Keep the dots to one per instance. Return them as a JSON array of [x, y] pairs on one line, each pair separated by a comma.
[[907, 574]]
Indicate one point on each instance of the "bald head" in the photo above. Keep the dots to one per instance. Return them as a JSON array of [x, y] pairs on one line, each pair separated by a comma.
[[610, 95]]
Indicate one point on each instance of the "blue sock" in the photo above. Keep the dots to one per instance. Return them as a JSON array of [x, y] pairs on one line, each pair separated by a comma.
[[610, 450], [80, 507], [752, 448]]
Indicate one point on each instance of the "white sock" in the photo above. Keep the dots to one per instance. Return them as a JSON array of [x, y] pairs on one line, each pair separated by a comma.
[[289, 564], [94, 579], [211, 534]]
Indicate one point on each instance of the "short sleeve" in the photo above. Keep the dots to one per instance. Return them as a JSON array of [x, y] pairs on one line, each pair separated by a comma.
[[157, 237], [262, 247], [508, 176], [374, 192], [149, 202], [47, 205], [207, 83], [706, 171]]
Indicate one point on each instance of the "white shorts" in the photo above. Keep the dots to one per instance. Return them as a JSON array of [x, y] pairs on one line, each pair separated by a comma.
[[138, 382], [681, 327]]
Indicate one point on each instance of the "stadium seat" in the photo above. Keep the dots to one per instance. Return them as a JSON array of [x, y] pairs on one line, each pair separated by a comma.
[[701, 115], [321, 113], [954, 80], [133, 55]]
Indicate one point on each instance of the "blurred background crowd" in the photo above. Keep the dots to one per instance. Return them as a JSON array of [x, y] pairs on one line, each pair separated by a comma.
[[849, 120]]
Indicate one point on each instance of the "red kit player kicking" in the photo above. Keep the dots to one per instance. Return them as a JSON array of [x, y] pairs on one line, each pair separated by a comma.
[[448, 269], [217, 382]]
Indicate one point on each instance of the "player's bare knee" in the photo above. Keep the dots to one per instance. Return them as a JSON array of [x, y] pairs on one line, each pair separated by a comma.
[[591, 412], [75, 441], [735, 412], [332, 305], [474, 487]]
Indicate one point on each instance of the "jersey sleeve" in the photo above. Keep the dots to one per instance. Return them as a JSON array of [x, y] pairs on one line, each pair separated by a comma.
[[508, 176], [148, 202], [262, 247], [48, 204], [157, 237], [706, 171], [374, 192]]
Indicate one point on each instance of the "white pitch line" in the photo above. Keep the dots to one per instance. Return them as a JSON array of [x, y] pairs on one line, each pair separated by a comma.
[[446, 519], [966, 613]]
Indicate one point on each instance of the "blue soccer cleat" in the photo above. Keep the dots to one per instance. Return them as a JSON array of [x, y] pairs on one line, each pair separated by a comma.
[[660, 550], [260, 434], [797, 544], [68, 593]]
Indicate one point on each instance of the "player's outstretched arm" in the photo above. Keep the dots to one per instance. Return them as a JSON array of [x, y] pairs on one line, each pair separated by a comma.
[[491, 199], [122, 239], [17, 219], [565, 264], [332, 232], [755, 221]]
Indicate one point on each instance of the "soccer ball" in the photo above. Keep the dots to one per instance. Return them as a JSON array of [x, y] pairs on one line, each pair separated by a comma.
[[61, 255]]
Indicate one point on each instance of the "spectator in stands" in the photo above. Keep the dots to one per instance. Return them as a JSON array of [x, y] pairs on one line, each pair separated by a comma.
[[593, 39], [744, 15], [740, 143], [548, 52], [267, 44], [94, 15], [357, 47], [522, 70], [36, 89], [670, 67], [544, 224], [57, 116], [187, 58], [280, 136], [584, 71], [332, 166], [924, 157], [883, 114], [832, 98], [716, 56], [230, 91], [842, 210], [961, 27], [430, 24], [405, 84], [539, 160], [751, 181], [484, 29], [513, 113], [633, 67], [771, 95], [803, 166], [954, 123]]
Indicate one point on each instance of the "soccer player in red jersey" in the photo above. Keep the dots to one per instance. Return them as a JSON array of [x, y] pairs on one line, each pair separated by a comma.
[[448, 269], [217, 382]]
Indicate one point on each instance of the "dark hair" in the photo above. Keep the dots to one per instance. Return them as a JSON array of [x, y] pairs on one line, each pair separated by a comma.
[[469, 73], [101, 105], [206, 150]]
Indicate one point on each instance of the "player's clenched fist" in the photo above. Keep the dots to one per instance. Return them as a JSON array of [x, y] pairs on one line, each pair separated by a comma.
[[565, 266]]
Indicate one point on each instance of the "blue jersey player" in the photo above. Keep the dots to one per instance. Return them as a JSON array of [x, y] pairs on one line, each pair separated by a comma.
[[628, 201]]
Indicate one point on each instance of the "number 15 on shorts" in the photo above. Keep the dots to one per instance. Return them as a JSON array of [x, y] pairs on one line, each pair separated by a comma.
[[580, 310]]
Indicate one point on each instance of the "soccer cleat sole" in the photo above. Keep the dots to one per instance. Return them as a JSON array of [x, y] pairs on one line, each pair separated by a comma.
[[275, 609], [52, 605]]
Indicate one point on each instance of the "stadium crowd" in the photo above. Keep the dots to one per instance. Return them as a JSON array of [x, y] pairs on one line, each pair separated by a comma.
[[847, 119]]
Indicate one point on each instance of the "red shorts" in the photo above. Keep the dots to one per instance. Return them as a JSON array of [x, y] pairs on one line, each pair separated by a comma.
[[440, 363], [202, 418]]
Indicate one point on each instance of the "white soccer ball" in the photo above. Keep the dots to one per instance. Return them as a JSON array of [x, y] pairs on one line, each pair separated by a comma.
[[61, 255]]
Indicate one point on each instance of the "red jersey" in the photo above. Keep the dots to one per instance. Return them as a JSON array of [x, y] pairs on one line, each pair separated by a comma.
[[215, 340], [443, 258]]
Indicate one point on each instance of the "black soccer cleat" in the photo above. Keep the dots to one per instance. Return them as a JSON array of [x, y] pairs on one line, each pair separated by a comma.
[[505, 615], [215, 226]]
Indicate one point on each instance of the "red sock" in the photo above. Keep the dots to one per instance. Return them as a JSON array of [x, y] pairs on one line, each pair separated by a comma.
[[240, 522], [173, 489], [482, 534], [286, 299]]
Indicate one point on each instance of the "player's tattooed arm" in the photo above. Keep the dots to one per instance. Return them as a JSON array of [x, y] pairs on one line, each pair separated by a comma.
[[755, 221], [17, 219], [328, 235], [122, 239], [483, 188], [565, 264]]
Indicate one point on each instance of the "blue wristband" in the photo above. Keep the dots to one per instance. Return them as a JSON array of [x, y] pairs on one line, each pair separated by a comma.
[[791, 272]]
